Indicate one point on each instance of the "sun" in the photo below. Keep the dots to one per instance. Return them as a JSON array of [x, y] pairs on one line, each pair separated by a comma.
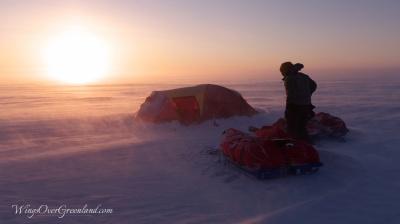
[[77, 56]]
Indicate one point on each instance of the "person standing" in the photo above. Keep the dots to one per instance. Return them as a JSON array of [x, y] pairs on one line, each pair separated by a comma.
[[299, 109]]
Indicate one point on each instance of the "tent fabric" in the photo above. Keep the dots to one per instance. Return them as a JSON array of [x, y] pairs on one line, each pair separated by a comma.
[[194, 104], [195, 91], [157, 108], [187, 108]]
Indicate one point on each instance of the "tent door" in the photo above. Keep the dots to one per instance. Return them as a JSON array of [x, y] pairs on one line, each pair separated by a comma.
[[188, 109]]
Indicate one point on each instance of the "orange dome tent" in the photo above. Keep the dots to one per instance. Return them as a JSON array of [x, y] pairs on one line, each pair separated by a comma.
[[191, 105]]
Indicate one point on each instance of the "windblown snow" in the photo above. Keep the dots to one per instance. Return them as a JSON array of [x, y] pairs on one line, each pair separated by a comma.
[[74, 154]]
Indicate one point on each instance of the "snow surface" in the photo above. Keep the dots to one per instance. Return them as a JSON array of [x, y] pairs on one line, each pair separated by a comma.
[[77, 146]]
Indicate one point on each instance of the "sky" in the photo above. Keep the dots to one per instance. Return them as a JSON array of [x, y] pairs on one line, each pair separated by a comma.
[[210, 38]]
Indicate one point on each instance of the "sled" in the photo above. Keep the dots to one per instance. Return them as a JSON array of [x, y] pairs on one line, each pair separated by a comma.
[[273, 153]]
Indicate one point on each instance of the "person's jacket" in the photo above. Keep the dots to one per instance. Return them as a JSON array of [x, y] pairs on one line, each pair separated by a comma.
[[299, 88]]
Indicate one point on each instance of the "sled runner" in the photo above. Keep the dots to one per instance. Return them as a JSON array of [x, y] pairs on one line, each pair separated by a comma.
[[259, 173]]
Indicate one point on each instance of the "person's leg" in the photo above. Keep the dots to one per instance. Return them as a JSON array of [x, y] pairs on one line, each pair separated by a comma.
[[303, 117], [291, 117]]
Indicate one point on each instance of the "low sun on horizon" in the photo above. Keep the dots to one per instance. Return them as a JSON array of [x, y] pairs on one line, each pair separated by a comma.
[[77, 56]]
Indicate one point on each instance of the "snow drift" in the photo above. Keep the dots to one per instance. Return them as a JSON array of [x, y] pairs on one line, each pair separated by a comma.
[[79, 145]]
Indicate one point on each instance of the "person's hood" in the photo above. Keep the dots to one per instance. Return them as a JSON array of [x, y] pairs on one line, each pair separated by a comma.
[[296, 68]]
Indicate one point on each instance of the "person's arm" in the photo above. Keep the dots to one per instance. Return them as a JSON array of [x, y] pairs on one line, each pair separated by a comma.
[[313, 85]]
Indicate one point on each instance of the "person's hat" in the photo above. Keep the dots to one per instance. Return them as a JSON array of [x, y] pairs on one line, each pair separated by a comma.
[[285, 68]]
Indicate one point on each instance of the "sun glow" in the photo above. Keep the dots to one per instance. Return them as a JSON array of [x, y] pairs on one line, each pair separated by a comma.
[[77, 56]]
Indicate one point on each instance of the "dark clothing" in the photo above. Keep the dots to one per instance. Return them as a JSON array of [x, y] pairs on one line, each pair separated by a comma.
[[299, 88], [297, 117]]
